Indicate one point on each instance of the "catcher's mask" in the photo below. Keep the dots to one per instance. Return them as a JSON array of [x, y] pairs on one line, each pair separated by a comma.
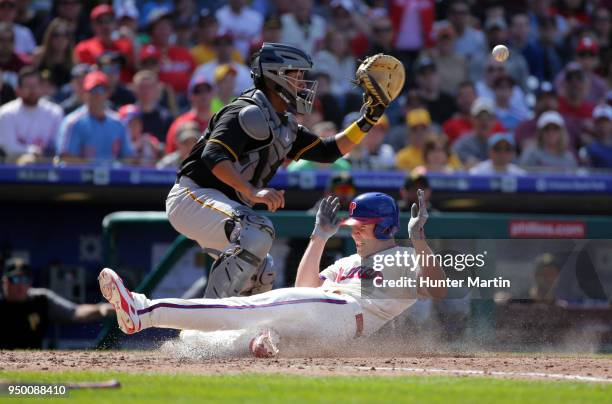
[[276, 62], [378, 208]]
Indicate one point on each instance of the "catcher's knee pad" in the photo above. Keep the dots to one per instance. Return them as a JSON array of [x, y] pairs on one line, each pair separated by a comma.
[[251, 238]]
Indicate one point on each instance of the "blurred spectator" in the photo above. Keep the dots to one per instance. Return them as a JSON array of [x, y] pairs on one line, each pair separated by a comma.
[[206, 32], [146, 147], [484, 86], [546, 100], [303, 28], [501, 153], [436, 156], [223, 49], [29, 123], [372, 153], [542, 10], [225, 82], [412, 22], [103, 24], [382, 37], [408, 192], [93, 132], [545, 278], [149, 60], [347, 19], [200, 94], [185, 19], [573, 93], [31, 17], [451, 66], [150, 7], [10, 61], [598, 152], [71, 11], [419, 123], [271, 32], [243, 23], [551, 150], [55, 53], [6, 91], [337, 61], [24, 40], [77, 94], [521, 41], [175, 62], [472, 148], [110, 64], [28, 311], [461, 122], [156, 119], [440, 105], [516, 66], [188, 134], [470, 42], [508, 115], [330, 106], [587, 57], [602, 30], [548, 41]]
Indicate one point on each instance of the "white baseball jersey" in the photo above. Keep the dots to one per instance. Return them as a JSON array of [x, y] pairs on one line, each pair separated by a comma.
[[25, 128], [346, 275]]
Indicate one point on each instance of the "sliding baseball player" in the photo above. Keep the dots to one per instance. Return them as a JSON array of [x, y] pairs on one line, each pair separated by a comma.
[[337, 304]]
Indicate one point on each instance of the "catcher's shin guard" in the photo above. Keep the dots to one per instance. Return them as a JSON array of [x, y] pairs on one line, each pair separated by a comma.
[[239, 267]]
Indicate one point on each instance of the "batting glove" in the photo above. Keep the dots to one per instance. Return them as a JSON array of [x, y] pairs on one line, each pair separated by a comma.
[[327, 221], [418, 218]]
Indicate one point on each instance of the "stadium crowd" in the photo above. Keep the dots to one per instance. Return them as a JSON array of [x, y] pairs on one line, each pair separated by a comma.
[[138, 80]]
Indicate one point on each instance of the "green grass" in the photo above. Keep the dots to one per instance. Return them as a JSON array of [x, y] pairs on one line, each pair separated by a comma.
[[268, 388]]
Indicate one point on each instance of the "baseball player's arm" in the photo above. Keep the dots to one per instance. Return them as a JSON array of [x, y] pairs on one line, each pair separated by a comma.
[[432, 272], [308, 270], [326, 225]]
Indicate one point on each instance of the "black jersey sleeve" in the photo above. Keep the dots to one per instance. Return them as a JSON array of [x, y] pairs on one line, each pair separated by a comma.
[[227, 139], [309, 146]]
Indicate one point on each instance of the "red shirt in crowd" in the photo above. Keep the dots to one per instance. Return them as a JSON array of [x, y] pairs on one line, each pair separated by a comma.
[[186, 117], [175, 65], [88, 50], [582, 111], [458, 126]]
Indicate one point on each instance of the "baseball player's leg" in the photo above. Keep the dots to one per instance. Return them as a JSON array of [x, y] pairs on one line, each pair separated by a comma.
[[293, 312], [241, 237]]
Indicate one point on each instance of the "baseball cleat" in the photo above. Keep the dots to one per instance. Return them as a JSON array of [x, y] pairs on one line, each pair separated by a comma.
[[113, 290], [265, 345]]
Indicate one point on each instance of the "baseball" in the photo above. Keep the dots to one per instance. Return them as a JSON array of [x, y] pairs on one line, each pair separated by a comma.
[[501, 53]]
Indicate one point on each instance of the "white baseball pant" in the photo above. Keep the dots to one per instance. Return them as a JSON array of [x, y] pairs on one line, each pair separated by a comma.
[[295, 313]]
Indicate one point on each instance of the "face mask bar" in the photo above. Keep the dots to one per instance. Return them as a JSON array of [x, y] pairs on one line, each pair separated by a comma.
[[304, 91]]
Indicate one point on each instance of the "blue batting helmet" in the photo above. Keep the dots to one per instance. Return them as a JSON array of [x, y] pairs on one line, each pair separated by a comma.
[[378, 208]]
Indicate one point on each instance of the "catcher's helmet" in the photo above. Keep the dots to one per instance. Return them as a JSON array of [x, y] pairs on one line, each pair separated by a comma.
[[375, 207], [272, 62]]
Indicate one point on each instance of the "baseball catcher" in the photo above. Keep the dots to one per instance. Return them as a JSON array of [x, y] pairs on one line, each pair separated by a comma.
[[245, 143], [337, 304]]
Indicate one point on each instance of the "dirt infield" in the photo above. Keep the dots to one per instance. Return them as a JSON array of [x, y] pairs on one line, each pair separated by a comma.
[[537, 366]]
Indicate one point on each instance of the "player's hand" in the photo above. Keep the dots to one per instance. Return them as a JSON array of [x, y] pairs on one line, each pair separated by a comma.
[[418, 218], [272, 198], [327, 221]]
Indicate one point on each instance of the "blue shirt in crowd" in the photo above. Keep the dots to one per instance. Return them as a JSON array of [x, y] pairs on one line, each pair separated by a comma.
[[82, 135]]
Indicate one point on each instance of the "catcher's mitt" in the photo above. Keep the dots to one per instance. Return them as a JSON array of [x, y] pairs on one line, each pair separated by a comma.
[[382, 78]]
